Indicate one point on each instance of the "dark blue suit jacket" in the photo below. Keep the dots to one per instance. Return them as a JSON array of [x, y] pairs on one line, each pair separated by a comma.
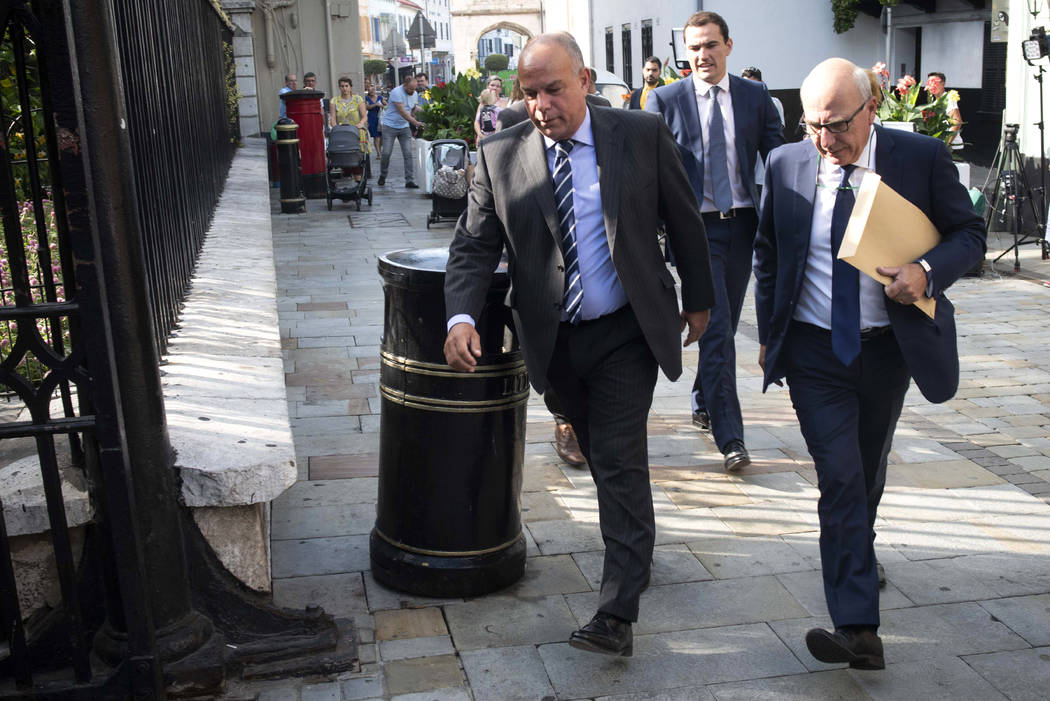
[[920, 169], [756, 126]]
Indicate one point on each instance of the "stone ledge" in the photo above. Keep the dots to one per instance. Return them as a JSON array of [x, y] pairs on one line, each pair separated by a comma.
[[223, 382], [25, 507]]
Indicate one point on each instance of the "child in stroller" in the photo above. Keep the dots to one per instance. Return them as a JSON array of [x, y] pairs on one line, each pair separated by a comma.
[[348, 166]]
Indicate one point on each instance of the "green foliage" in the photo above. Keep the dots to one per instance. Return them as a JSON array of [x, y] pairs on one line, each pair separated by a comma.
[[845, 12], [233, 95], [494, 63], [450, 114], [16, 116], [375, 66], [901, 104]]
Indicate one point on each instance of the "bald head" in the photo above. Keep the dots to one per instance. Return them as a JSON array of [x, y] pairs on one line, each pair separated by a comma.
[[835, 75], [554, 82], [838, 110]]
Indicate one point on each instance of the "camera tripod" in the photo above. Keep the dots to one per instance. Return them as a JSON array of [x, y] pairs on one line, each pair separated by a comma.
[[1012, 197]]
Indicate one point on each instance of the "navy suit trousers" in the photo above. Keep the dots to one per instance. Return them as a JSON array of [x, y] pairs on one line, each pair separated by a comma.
[[731, 243], [847, 416], [604, 374]]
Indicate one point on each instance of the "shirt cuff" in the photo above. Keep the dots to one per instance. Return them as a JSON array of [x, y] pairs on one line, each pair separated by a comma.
[[459, 319], [929, 276]]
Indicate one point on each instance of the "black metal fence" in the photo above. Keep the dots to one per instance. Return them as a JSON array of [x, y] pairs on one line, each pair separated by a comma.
[[64, 360], [178, 74]]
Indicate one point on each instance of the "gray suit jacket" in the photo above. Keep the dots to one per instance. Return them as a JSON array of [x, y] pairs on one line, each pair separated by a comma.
[[511, 205]]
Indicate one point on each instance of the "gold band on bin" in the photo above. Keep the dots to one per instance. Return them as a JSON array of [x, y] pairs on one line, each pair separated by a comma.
[[419, 367], [286, 141], [286, 127], [455, 406], [446, 553]]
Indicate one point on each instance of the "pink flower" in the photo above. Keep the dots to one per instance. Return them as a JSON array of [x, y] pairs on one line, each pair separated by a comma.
[[905, 83], [880, 69]]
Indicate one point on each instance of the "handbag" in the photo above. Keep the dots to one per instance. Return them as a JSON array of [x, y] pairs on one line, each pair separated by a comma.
[[450, 184]]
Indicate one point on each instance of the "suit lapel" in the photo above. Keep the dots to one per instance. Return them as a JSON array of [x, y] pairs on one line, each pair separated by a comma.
[[806, 188], [887, 160], [691, 120], [743, 112], [537, 179], [608, 151]]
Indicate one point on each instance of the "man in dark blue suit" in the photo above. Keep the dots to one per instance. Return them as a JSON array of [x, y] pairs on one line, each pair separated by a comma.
[[848, 345], [722, 124]]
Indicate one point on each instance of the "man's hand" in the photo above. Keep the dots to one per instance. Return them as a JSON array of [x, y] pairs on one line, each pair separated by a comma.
[[762, 356], [909, 283], [697, 323], [462, 347]]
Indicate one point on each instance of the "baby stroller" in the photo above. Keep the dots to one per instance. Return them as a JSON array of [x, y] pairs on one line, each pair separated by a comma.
[[449, 158], [348, 167]]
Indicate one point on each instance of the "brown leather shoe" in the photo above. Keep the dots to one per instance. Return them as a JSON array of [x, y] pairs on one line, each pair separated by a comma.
[[860, 646], [566, 445]]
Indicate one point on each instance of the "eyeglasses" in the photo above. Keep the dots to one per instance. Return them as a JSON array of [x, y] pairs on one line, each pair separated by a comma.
[[839, 127]]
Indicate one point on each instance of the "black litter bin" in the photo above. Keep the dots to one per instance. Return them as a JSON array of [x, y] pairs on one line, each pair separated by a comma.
[[448, 520]]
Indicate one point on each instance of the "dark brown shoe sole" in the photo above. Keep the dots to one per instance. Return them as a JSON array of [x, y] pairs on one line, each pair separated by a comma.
[[826, 648], [581, 643]]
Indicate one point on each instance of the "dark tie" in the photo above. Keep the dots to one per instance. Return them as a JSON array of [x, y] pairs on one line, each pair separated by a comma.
[[563, 190], [845, 280], [716, 155]]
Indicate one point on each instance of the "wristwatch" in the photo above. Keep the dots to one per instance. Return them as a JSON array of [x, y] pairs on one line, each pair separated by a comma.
[[929, 276]]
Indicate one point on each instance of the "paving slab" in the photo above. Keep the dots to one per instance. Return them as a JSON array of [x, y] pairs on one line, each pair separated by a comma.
[[668, 661], [514, 673], [935, 678], [1022, 675], [409, 623], [703, 604], [729, 557], [808, 589], [835, 685], [1024, 615], [503, 621], [301, 558], [341, 595], [422, 674]]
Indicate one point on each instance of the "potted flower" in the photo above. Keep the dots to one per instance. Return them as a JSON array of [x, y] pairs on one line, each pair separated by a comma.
[[900, 107]]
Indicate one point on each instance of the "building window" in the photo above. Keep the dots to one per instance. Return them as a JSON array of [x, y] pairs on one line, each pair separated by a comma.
[[647, 39], [610, 60], [628, 69]]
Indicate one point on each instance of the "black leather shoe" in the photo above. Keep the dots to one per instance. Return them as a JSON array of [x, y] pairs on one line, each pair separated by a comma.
[[382, 181], [702, 420], [881, 572], [735, 456], [860, 646], [411, 186], [605, 634]]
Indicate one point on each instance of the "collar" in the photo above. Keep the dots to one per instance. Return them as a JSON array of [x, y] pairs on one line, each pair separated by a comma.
[[702, 87], [583, 135], [865, 160]]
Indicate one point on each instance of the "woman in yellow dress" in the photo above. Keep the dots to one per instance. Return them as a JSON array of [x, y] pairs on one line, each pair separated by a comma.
[[349, 109]]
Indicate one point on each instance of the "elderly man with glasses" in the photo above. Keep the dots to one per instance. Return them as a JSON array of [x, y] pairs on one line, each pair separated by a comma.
[[848, 345]]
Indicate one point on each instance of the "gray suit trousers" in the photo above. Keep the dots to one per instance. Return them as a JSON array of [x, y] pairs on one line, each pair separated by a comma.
[[605, 374]]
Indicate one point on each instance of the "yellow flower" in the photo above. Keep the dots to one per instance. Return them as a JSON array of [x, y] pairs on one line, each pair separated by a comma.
[[472, 73], [953, 95], [426, 94]]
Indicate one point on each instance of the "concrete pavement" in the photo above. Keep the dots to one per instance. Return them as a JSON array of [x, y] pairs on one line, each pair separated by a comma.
[[964, 529]]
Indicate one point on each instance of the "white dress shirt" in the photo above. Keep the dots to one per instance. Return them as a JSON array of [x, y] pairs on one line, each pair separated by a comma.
[[741, 194], [814, 300]]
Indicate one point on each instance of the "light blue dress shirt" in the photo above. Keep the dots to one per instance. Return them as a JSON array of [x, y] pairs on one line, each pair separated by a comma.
[[602, 291], [391, 117]]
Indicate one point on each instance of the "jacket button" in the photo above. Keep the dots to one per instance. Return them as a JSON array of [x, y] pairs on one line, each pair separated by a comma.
[[561, 268]]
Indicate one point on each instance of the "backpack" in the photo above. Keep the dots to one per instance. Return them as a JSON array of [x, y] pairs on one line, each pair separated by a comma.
[[487, 119]]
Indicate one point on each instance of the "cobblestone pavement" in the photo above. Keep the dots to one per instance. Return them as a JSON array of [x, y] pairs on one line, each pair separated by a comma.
[[964, 528]]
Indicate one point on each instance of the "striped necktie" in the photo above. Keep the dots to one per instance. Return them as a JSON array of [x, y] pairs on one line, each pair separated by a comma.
[[716, 153], [563, 192]]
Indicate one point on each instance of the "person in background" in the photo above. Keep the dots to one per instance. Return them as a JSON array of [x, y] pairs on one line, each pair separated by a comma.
[[374, 104], [935, 88], [310, 83], [290, 84], [349, 108], [752, 73], [495, 84], [723, 125], [398, 121], [650, 79], [486, 115], [422, 85], [593, 96]]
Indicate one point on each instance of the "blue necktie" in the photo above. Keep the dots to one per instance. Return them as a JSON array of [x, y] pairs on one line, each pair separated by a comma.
[[563, 191], [716, 155], [845, 280]]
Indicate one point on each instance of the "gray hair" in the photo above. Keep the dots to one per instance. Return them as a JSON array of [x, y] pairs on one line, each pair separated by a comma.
[[565, 41]]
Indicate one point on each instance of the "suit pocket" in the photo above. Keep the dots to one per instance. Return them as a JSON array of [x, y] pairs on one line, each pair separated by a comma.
[[666, 278]]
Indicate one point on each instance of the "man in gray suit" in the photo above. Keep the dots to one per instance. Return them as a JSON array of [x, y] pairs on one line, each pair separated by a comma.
[[575, 196]]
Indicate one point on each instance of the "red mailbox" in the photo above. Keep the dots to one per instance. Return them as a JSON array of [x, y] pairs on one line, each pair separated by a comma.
[[304, 107]]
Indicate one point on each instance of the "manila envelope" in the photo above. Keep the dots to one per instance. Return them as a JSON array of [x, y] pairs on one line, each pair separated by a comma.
[[886, 230]]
